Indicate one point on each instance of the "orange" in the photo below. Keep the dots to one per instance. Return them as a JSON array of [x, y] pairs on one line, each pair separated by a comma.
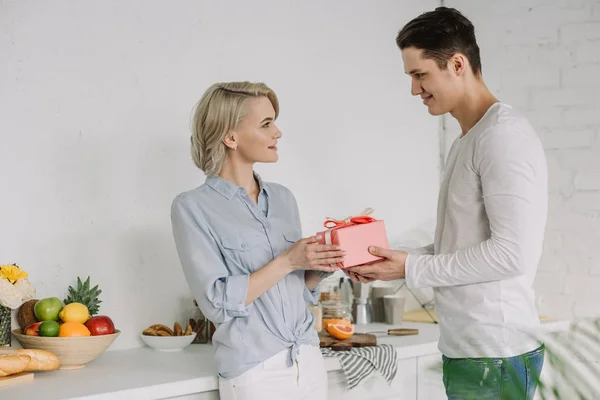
[[73, 329], [334, 321], [341, 331]]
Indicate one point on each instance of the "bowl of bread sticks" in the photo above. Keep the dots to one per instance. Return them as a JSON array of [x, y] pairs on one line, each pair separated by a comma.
[[163, 338]]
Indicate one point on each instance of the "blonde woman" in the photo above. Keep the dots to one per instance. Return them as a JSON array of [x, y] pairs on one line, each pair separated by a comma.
[[239, 243]]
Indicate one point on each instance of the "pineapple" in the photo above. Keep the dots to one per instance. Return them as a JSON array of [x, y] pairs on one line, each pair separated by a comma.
[[84, 295], [5, 316]]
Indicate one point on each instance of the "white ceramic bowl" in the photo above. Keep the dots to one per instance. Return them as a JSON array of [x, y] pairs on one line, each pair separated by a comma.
[[168, 343]]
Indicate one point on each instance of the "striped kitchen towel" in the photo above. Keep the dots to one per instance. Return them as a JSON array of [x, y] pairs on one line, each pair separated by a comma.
[[359, 363]]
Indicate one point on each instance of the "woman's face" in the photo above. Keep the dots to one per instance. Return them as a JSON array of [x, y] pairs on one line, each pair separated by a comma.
[[257, 134]]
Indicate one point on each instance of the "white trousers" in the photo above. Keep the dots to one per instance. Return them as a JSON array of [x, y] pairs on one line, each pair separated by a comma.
[[275, 380]]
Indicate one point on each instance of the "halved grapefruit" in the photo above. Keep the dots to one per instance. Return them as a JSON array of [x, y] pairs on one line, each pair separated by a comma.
[[334, 321], [341, 331]]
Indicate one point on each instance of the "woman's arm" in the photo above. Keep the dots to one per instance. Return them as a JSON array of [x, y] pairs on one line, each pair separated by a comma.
[[312, 279], [222, 296]]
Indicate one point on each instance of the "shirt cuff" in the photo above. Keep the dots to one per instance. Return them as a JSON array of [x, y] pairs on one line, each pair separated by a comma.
[[410, 275], [236, 290], [323, 274], [313, 296]]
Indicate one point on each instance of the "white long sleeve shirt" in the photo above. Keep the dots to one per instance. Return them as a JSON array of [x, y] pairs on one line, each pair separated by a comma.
[[491, 218]]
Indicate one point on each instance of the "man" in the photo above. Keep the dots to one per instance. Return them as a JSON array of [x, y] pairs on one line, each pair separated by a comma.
[[492, 210]]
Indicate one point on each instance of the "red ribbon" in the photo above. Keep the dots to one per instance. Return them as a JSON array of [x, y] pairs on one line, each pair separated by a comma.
[[364, 218]]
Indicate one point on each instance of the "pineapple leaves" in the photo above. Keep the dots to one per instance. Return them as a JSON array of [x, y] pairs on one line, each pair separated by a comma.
[[84, 295]]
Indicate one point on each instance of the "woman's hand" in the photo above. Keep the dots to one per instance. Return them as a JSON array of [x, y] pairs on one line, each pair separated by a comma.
[[308, 254]]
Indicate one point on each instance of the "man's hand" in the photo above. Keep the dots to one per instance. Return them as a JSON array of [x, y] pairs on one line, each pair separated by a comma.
[[390, 268]]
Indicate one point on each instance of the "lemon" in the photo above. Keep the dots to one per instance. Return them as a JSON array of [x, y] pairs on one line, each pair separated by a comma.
[[74, 312]]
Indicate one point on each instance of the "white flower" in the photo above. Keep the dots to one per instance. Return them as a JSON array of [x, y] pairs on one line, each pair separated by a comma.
[[26, 288], [10, 296]]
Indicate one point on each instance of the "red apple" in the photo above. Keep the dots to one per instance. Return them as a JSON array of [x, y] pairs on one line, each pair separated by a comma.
[[32, 330], [100, 325]]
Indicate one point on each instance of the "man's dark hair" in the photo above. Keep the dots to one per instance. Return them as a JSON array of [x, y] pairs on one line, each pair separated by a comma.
[[441, 34]]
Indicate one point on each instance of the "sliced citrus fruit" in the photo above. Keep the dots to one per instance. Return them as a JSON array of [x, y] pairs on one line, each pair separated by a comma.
[[335, 321], [341, 331]]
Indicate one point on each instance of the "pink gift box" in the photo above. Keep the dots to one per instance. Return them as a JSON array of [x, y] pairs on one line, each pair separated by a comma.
[[355, 239]]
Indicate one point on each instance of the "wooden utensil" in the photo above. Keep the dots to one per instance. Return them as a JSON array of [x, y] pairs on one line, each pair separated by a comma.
[[398, 332]]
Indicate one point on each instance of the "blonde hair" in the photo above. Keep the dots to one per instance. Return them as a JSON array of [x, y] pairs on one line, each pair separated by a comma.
[[220, 110]]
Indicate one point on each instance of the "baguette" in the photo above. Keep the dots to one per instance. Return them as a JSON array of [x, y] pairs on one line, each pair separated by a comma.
[[13, 363], [41, 360]]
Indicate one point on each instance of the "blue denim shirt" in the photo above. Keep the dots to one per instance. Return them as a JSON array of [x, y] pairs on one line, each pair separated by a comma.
[[222, 237]]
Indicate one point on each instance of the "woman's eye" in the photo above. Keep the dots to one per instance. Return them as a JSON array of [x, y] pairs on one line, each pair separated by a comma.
[[267, 125]]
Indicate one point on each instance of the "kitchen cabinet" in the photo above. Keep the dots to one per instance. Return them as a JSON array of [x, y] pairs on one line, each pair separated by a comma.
[[430, 385], [404, 386]]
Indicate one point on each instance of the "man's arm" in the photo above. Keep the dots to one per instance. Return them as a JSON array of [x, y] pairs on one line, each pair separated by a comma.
[[513, 176]]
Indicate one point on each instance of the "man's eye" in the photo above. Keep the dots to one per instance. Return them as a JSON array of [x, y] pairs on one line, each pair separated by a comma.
[[418, 76]]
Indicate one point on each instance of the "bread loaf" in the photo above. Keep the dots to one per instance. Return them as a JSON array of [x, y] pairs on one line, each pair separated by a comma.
[[41, 360], [13, 363]]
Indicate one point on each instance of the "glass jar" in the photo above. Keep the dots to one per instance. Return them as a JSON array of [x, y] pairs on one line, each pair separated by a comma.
[[317, 312], [200, 325], [336, 310], [330, 290]]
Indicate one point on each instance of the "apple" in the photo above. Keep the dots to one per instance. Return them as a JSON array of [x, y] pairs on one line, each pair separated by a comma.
[[32, 330], [48, 309], [100, 325]]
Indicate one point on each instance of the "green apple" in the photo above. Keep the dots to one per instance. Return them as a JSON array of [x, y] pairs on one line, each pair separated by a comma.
[[48, 309]]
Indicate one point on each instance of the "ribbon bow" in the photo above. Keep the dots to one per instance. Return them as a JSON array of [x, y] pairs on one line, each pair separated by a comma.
[[332, 224], [362, 218]]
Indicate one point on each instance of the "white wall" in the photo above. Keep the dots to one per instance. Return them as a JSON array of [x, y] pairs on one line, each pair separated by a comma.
[[95, 103], [543, 56]]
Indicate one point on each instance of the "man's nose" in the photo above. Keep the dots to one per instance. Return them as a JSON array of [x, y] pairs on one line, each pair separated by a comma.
[[416, 88]]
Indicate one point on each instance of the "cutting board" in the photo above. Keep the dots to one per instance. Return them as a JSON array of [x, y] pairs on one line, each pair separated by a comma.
[[357, 340], [421, 316], [16, 378]]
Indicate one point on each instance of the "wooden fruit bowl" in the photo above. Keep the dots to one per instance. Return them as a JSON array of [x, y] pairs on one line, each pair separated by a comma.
[[73, 352]]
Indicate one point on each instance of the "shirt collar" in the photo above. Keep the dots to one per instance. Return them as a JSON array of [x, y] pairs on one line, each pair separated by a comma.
[[228, 189], [262, 186]]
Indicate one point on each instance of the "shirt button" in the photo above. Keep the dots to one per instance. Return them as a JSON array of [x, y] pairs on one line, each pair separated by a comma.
[[244, 245]]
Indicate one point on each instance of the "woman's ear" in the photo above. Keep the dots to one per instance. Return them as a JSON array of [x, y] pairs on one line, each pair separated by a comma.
[[231, 140]]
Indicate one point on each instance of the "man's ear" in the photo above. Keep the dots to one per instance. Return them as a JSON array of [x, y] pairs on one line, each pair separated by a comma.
[[231, 140], [459, 64]]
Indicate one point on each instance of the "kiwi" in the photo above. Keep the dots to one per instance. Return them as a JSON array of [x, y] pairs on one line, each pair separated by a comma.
[[25, 315]]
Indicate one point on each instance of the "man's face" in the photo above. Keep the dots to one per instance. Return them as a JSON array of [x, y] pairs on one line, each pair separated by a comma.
[[440, 89]]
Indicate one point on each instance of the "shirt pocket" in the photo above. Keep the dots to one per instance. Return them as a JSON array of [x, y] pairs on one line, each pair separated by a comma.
[[291, 237], [240, 249]]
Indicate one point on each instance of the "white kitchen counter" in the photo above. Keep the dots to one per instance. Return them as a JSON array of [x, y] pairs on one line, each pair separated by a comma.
[[143, 373]]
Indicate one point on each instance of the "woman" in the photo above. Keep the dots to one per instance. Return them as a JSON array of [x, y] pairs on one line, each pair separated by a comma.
[[239, 242]]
